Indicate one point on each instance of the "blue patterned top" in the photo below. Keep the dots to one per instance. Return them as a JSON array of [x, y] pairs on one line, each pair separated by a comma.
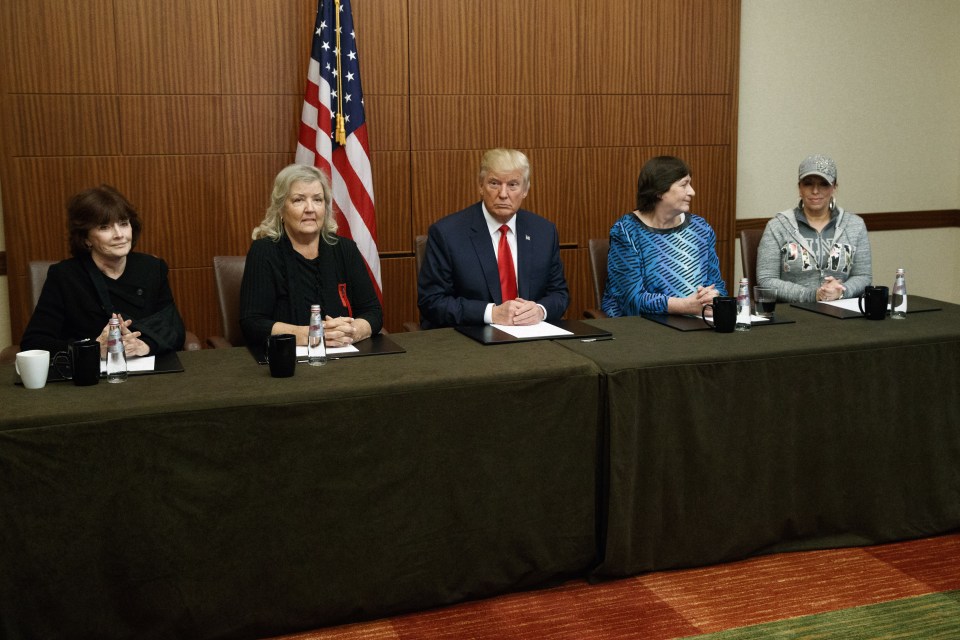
[[646, 266]]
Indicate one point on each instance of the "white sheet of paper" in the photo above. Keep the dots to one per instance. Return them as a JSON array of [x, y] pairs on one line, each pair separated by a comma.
[[134, 363], [540, 330], [331, 351], [850, 304]]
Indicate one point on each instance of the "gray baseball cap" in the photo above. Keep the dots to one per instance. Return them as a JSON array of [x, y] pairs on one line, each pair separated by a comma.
[[819, 165]]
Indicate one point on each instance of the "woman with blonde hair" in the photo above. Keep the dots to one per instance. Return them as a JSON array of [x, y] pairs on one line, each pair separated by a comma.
[[298, 260]]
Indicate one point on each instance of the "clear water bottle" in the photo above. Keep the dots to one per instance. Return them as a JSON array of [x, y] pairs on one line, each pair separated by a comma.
[[898, 302], [743, 306], [116, 360], [316, 347]]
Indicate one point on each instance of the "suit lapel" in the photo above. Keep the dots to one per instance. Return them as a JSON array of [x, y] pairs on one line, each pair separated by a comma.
[[486, 257]]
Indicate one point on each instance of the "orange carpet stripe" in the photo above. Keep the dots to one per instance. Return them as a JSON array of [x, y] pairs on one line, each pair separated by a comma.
[[783, 591]]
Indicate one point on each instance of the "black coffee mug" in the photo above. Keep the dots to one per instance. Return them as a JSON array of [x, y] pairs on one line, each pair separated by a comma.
[[724, 313], [873, 302], [80, 362], [282, 355]]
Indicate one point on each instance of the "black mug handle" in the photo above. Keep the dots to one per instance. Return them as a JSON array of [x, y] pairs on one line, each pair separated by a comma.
[[703, 314], [860, 303]]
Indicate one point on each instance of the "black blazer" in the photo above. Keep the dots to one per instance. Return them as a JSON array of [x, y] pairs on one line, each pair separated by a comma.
[[459, 276], [272, 291]]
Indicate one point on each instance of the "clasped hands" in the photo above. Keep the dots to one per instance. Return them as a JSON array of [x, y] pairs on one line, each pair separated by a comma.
[[132, 344], [344, 331], [702, 296], [830, 289], [517, 312]]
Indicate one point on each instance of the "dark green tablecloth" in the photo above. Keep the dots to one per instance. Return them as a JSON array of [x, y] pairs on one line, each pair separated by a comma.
[[818, 433], [221, 502]]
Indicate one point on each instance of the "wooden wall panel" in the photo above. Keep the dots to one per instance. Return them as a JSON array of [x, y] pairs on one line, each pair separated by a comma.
[[265, 45], [383, 44], [60, 46], [482, 122], [663, 46], [453, 47], [260, 123], [164, 125], [388, 122], [64, 125], [537, 49], [168, 46], [646, 120], [391, 189]]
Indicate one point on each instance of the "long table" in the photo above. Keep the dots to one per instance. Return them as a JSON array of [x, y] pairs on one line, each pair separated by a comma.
[[819, 433], [221, 502]]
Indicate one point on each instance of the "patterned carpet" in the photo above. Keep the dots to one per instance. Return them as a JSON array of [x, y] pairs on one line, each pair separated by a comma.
[[901, 590]]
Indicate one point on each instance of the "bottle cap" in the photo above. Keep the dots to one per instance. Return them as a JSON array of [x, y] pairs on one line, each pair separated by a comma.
[[314, 308]]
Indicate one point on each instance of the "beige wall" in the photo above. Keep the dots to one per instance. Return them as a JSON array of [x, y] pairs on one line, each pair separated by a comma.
[[875, 84]]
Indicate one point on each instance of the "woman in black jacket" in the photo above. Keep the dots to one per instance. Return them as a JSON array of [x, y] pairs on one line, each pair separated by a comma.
[[105, 279], [298, 260]]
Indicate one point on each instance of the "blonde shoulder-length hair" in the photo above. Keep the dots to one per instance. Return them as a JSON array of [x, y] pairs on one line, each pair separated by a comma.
[[272, 224]]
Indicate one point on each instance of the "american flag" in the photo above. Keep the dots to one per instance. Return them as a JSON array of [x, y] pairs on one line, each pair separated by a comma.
[[333, 98]]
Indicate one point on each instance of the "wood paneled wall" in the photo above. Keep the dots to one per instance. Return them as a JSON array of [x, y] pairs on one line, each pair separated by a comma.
[[190, 107]]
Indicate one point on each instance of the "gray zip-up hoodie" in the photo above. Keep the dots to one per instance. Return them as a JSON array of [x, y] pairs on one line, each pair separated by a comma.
[[794, 265]]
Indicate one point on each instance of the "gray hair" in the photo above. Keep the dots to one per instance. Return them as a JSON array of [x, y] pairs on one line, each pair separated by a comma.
[[272, 224]]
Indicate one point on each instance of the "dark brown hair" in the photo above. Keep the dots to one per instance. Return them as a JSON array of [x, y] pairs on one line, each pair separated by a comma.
[[656, 178], [94, 207]]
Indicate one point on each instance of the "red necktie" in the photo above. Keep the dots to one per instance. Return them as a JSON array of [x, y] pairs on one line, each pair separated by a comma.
[[508, 279]]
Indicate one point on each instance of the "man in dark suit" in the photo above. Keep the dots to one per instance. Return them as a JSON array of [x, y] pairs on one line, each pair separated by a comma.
[[493, 262]]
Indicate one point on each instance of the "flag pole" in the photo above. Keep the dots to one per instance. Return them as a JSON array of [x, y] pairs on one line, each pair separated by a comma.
[[341, 133]]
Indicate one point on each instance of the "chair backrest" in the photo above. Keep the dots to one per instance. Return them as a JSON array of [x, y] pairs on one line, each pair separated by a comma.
[[419, 249], [38, 276], [749, 241], [598, 247], [228, 273]]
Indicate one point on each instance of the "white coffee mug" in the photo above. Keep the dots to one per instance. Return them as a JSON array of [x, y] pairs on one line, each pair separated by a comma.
[[33, 366]]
